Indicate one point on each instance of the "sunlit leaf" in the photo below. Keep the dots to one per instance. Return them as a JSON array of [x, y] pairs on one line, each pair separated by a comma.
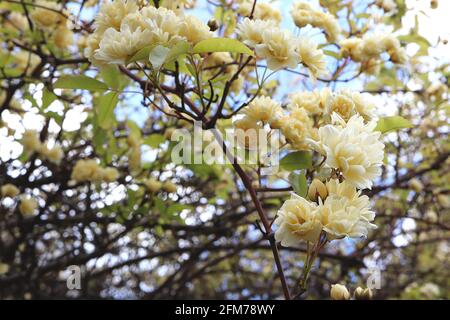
[[296, 160], [222, 45], [298, 183], [106, 105], [387, 124]]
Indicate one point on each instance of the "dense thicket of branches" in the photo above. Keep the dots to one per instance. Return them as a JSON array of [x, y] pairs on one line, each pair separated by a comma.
[[205, 238]]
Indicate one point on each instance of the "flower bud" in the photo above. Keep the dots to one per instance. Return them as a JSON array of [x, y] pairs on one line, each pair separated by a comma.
[[152, 185], [339, 292], [416, 185], [434, 4], [363, 294], [169, 187], [9, 190], [317, 189]]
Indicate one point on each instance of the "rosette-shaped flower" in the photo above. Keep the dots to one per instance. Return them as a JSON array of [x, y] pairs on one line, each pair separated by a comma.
[[194, 30], [297, 220], [312, 57], [251, 30], [117, 46], [263, 109], [354, 148], [278, 48], [345, 213], [111, 14]]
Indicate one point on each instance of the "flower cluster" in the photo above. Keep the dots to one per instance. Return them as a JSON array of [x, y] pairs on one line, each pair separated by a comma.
[[122, 29], [263, 11], [27, 205], [32, 143], [153, 185], [49, 16], [323, 102], [304, 14], [369, 48], [335, 208], [90, 170], [353, 148], [279, 47]]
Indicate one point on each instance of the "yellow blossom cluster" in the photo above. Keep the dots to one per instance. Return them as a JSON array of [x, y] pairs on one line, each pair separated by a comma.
[[32, 143], [90, 170], [342, 212], [27, 204], [304, 14], [369, 48], [279, 47], [122, 29], [263, 11], [344, 102], [50, 16]]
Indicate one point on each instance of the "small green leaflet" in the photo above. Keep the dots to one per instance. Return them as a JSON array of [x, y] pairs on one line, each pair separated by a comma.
[[393, 123], [106, 105], [222, 45], [298, 183], [296, 160]]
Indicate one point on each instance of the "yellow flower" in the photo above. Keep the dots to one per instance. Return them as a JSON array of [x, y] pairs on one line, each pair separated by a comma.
[[194, 30], [278, 49], [247, 132], [354, 148], [308, 100], [117, 46], [85, 170], [54, 154], [9, 190], [317, 189], [303, 14], [169, 186], [27, 205], [30, 141], [263, 109], [152, 185], [251, 31], [344, 212], [63, 37], [363, 294], [342, 105], [339, 292], [111, 14], [262, 11], [47, 15], [110, 174], [297, 220], [311, 57]]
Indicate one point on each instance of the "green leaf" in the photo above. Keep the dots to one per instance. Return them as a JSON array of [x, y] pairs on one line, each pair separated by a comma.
[[154, 140], [177, 50], [177, 208], [106, 105], [112, 76], [141, 54], [80, 82], [298, 183], [333, 54], [222, 45], [47, 98], [158, 56], [296, 160], [387, 124]]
